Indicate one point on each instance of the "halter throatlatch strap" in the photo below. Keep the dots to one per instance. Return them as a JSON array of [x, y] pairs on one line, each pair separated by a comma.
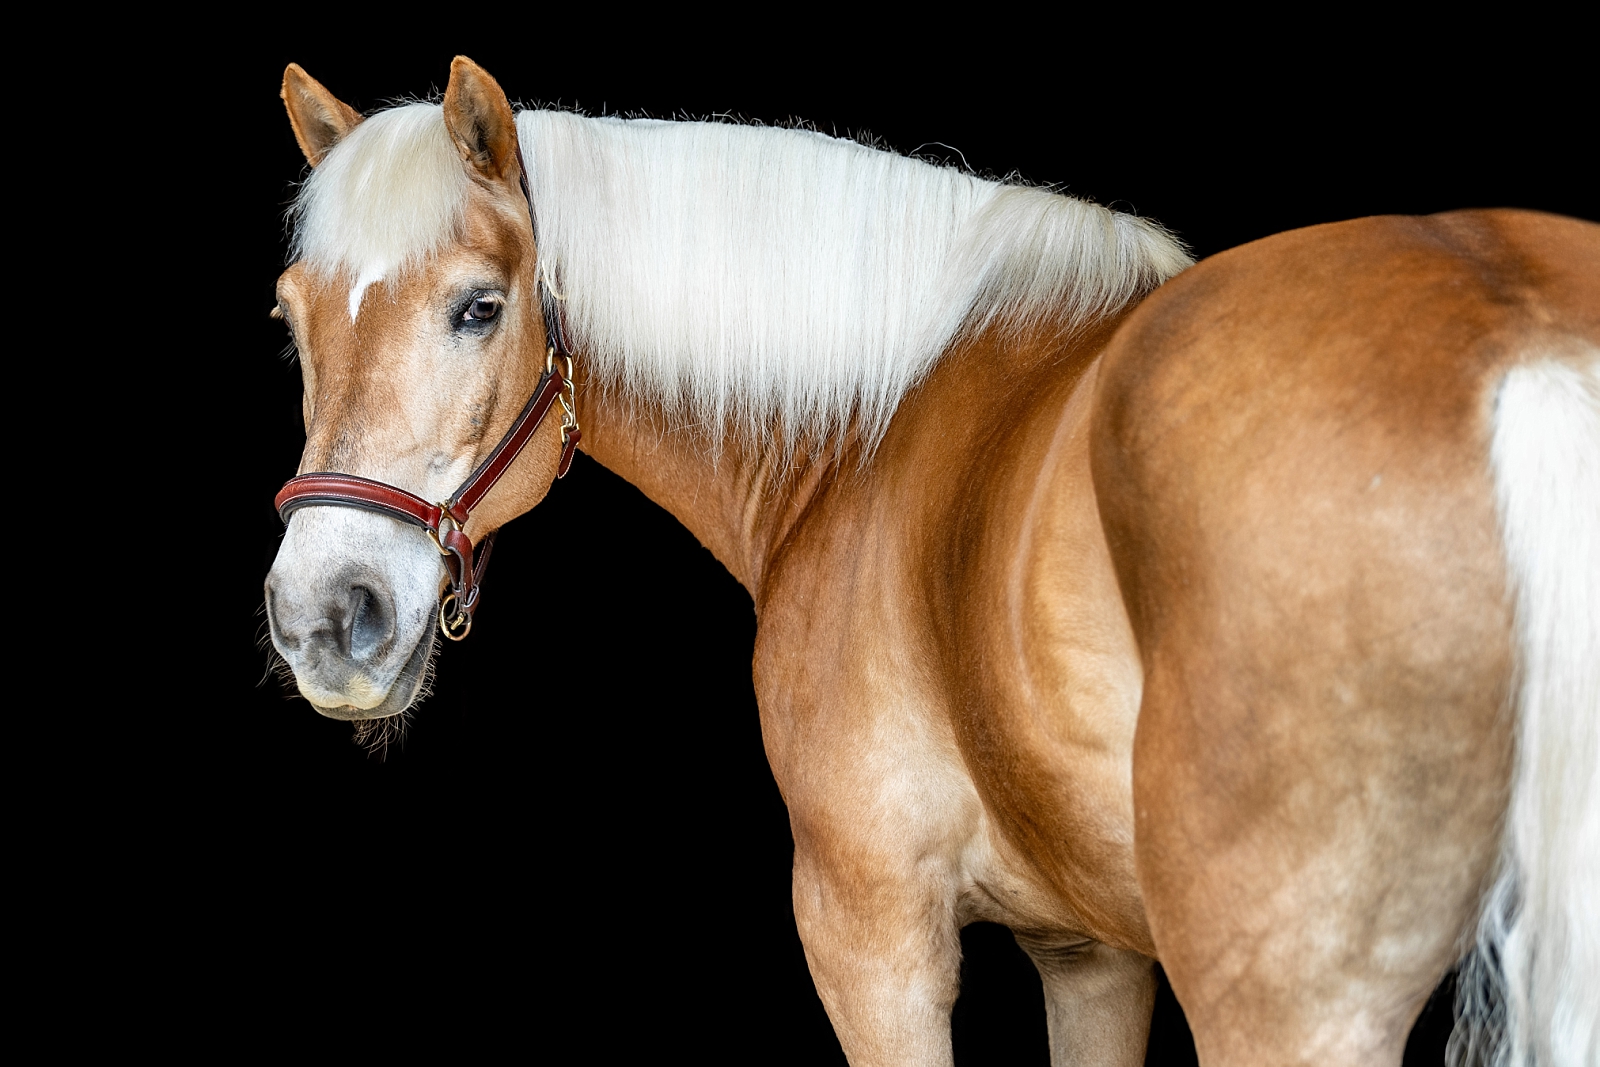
[[444, 521]]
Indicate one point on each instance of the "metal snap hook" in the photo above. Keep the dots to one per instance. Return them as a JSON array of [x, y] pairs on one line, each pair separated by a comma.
[[455, 623]]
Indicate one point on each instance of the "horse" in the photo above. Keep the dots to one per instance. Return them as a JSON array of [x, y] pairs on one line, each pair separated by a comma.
[[1241, 615]]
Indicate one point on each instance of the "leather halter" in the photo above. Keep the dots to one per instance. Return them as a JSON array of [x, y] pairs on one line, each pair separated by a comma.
[[444, 521]]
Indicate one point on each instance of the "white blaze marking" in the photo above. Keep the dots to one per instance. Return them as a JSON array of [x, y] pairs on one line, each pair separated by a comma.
[[368, 276]]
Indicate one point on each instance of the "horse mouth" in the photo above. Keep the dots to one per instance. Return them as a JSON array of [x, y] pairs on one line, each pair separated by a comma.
[[407, 689]]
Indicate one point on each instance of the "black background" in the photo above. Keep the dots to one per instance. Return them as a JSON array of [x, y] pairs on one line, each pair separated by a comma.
[[578, 850]]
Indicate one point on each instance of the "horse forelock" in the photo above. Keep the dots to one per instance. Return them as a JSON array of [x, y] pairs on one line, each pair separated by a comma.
[[388, 196]]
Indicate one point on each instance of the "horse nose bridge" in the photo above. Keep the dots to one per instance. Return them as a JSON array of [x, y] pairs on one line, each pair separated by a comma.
[[330, 443], [359, 411]]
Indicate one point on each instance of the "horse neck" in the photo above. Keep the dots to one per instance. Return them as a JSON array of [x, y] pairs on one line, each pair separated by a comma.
[[745, 505], [740, 503]]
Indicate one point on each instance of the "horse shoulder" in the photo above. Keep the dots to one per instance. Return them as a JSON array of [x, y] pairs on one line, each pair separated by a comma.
[[1041, 652]]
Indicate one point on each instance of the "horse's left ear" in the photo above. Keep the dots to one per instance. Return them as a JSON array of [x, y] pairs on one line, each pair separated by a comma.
[[479, 119], [320, 119]]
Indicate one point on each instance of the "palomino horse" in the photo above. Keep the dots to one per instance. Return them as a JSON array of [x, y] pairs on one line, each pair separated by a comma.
[[1251, 626]]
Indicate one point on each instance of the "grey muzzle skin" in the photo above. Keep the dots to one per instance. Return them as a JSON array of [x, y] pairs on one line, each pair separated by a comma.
[[350, 603]]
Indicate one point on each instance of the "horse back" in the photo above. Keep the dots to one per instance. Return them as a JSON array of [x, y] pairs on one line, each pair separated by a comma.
[[1290, 455]]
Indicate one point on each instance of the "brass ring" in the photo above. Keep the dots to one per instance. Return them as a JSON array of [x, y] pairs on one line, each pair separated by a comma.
[[455, 625]]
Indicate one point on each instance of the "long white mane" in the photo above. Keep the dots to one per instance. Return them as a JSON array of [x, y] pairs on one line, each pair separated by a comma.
[[776, 282]]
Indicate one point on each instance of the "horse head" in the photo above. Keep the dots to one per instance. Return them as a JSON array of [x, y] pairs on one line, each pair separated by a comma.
[[414, 303]]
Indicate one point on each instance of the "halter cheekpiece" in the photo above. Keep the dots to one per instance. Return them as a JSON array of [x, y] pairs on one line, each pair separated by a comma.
[[444, 521]]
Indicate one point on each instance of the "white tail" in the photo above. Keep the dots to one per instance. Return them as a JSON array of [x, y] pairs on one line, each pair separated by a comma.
[[1529, 995]]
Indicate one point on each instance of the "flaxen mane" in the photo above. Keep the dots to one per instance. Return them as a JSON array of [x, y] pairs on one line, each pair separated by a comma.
[[777, 282]]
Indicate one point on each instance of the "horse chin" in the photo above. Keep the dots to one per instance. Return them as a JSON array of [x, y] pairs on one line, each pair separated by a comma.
[[409, 686]]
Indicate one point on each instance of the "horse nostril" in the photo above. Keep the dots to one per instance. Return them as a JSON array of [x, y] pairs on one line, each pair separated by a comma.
[[279, 636], [371, 621]]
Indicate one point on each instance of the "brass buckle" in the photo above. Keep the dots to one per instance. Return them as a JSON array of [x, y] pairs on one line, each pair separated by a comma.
[[444, 517]]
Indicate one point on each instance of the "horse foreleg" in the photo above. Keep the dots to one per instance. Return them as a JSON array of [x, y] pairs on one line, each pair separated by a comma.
[[1098, 1001], [884, 949]]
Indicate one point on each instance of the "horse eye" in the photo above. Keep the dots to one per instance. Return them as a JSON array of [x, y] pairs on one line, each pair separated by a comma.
[[483, 309]]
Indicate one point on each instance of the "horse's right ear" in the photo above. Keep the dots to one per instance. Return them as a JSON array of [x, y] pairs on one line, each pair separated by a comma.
[[320, 119]]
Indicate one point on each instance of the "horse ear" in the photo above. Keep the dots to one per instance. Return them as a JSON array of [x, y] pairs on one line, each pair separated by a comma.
[[320, 119], [479, 119]]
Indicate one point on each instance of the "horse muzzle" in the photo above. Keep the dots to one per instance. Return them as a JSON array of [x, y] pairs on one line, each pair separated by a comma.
[[353, 618]]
